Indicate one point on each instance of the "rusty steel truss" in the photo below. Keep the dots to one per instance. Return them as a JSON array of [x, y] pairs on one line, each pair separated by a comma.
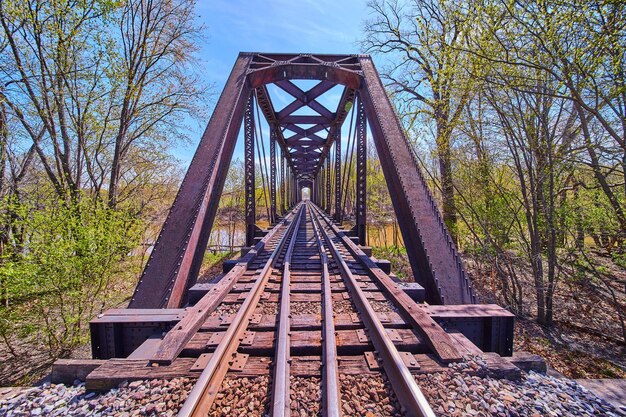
[[310, 151]]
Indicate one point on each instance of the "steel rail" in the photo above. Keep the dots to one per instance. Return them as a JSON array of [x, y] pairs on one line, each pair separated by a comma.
[[437, 339], [281, 406], [330, 365], [176, 339], [409, 395], [208, 384]]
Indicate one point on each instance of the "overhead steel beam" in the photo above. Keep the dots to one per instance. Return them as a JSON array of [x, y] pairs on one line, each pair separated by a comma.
[[305, 98], [302, 131], [306, 120], [343, 107], [312, 139]]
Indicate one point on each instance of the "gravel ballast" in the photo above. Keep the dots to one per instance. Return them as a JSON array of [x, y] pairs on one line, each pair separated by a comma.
[[464, 389], [139, 398]]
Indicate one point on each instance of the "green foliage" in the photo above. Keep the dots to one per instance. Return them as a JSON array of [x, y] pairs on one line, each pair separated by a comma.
[[61, 268], [619, 259], [398, 258]]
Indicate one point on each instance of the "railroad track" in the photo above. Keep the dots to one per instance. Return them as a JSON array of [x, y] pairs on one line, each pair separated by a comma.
[[305, 323], [309, 275]]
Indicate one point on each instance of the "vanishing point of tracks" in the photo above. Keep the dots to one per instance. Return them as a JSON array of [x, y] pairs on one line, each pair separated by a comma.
[[308, 301]]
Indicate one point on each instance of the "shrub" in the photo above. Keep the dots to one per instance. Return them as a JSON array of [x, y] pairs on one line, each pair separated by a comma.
[[60, 264]]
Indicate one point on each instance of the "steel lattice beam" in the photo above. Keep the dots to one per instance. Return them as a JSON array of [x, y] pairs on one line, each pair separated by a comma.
[[361, 172], [177, 255], [249, 167], [338, 178], [273, 134]]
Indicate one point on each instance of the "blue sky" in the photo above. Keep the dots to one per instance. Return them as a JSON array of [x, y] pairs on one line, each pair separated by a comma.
[[307, 26]]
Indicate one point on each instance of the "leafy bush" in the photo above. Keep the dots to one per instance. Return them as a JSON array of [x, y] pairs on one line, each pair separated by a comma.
[[619, 258], [60, 264]]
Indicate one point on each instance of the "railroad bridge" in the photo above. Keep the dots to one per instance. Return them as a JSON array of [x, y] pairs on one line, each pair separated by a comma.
[[306, 299]]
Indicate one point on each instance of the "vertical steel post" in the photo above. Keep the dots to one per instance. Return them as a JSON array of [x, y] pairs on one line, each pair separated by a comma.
[[273, 174], [361, 173], [338, 216], [294, 187], [288, 195], [322, 180], [249, 171], [291, 189], [296, 190], [282, 181], [318, 181], [327, 185]]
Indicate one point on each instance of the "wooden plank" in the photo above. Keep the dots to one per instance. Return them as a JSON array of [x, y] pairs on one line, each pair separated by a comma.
[[115, 371], [267, 322], [109, 374], [464, 345], [300, 277], [528, 362], [467, 311], [304, 342], [146, 350], [66, 371], [306, 287], [142, 311], [439, 341], [498, 367], [156, 319], [273, 297]]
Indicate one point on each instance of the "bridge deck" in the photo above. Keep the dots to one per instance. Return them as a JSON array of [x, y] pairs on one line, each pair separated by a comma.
[[306, 303]]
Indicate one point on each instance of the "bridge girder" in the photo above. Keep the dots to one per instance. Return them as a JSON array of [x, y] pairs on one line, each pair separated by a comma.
[[175, 261]]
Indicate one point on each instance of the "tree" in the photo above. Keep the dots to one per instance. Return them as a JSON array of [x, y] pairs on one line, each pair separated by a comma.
[[91, 98], [75, 257], [429, 73], [51, 54], [537, 128], [583, 47], [157, 40], [86, 107]]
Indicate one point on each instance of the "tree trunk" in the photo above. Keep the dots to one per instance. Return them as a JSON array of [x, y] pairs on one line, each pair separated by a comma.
[[447, 184]]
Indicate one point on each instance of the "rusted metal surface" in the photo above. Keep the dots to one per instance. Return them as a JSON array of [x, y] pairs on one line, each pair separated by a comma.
[[203, 393], [273, 139], [361, 173], [331, 394], [406, 389], [338, 179], [305, 141], [249, 128], [281, 404], [175, 260], [432, 254]]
